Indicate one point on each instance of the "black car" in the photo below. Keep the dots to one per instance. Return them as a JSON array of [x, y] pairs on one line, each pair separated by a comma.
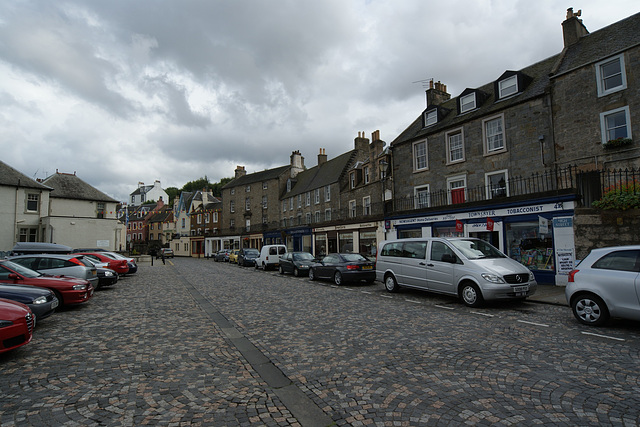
[[106, 276], [247, 257], [345, 267], [222, 255], [41, 301], [297, 263]]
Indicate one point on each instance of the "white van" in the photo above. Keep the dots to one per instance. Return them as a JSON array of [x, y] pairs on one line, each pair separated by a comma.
[[469, 268], [270, 256]]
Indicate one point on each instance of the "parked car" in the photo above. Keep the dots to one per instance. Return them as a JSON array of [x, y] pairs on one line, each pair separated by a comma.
[[469, 268], [606, 284], [222, 256], [270, 256], [131, 262], [60, 265], [106, 276], [75, 251], [42, 302], [118, 265], [297, 263], [68, 290], [167, 252], [233, 256], [342, 268], [16, 325], [23, 248], [247, 257]]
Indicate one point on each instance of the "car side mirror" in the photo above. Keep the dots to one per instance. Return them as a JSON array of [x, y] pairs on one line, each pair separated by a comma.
[[14, 276], [449, 258]]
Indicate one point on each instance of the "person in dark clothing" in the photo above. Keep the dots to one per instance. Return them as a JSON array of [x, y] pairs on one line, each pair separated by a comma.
[[162, 256]]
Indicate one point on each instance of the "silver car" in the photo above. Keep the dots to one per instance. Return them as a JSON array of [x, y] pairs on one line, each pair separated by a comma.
[[60, 265], [606, 284]]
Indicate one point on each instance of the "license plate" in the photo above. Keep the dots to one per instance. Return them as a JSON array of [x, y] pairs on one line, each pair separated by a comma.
[[367, 267], [55, 304], [521, 289]]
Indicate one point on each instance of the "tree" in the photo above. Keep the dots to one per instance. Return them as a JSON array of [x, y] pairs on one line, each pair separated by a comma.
[[172, 192], [197, 185]]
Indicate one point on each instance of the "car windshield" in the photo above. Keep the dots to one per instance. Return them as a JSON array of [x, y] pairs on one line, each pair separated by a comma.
[[302, 257], [26, 272], [476, 249], [353, 257], [251, 252]]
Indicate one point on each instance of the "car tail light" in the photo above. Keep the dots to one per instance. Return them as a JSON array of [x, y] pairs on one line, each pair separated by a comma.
[[77, 261], [572, 275], [353, 267]]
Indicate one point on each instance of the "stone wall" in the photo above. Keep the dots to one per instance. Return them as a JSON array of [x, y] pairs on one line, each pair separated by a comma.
[[595, 228]]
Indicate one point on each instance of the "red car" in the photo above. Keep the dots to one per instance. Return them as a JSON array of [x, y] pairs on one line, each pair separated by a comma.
[[68, 290], [16, 325], [120, 266]]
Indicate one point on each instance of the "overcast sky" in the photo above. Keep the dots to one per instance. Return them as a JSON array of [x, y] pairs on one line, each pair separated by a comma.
[[123, 91]]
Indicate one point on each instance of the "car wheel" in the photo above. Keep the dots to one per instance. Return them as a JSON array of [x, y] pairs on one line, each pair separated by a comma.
[[390, 283], [312, 274], [337, 278], [280, 270], [255, 265], [296, 272], [590, 309], [471, 295], [264, 267]]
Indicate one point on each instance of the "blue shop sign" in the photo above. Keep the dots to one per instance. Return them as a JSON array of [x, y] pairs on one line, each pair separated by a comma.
[[562, 222]]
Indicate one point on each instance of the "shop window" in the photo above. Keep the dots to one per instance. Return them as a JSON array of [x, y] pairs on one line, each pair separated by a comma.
[[409, 234], [447, 232], [368, 243], [531, 245], [321, 245], [346, 241]]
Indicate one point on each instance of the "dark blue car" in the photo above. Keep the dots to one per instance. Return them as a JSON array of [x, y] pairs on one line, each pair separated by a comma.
[[41, 301]]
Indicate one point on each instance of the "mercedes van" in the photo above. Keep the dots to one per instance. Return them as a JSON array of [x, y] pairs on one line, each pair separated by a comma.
[[468, 268]]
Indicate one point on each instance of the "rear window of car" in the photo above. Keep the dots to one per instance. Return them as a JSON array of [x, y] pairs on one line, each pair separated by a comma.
[[619, 260], [282, 250]]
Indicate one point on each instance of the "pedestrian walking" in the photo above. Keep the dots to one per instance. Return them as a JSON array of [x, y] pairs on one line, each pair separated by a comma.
[[162, 256]]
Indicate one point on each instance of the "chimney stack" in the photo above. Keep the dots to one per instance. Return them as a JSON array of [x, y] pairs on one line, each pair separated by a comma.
[[322, 157], [361, 142], [573, 28], [240, 171], [437, 93], [297, 163]]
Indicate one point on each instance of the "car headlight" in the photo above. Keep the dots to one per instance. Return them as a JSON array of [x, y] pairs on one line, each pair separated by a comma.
[[108, 273], [303, 266], [531, 277], [5, 323], [79, 287], [493, 278], [40, 300]]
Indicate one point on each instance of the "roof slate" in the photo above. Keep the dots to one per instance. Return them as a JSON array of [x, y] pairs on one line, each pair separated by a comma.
[[261, 176], [11, 177], [68, 186], [321, 175]]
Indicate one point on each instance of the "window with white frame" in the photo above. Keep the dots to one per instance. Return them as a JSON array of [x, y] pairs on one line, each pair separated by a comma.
[[615, 124], [467, 102], [247, 204], [497, 184], [207, 217], [199, 218], [232, 223], [32, 202], [455, 146], [290, 203], [308, 218], [352, 180], [352, 208], [247, 189], [365, 172], [366, 205], [327, 214], [508, 86], [284, 206], [264, 202], [457, 186], [327, 193], [264, 219], [100, 209], [317, 216], [299, 219], [430, 117], [215, 217], [420, 161], [610, 75], [308, 197], [421, 197], [493, 130], [247, 224], [232, 206], [316, 194]]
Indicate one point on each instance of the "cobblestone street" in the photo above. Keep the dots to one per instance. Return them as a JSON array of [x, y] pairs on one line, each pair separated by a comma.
[[206, 343]]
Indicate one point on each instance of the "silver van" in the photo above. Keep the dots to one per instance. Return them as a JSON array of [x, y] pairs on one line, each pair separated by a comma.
[[469, 268]]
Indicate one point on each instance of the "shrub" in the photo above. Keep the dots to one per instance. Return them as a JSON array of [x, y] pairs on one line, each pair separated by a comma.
[[620, 196]]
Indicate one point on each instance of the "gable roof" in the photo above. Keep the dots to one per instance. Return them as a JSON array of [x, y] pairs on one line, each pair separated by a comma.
[[323, 174], [538, 77], [601, 44], [261, 176], [11, 177], [69, 186]]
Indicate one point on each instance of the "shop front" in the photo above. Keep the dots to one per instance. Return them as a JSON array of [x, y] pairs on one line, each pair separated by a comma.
[[357, 238], [298, 239], [538, 235], [272, 238]]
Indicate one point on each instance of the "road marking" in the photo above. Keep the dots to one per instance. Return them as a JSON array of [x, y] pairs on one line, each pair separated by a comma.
[[483, 314], [349, 289], [367, 292], [604, 336], [533, 323], [413, 301], [386, 296], [445, 307]]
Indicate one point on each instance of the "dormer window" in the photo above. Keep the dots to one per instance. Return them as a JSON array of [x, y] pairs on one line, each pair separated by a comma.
[[467, 102], [430, 117], [508, 86]]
